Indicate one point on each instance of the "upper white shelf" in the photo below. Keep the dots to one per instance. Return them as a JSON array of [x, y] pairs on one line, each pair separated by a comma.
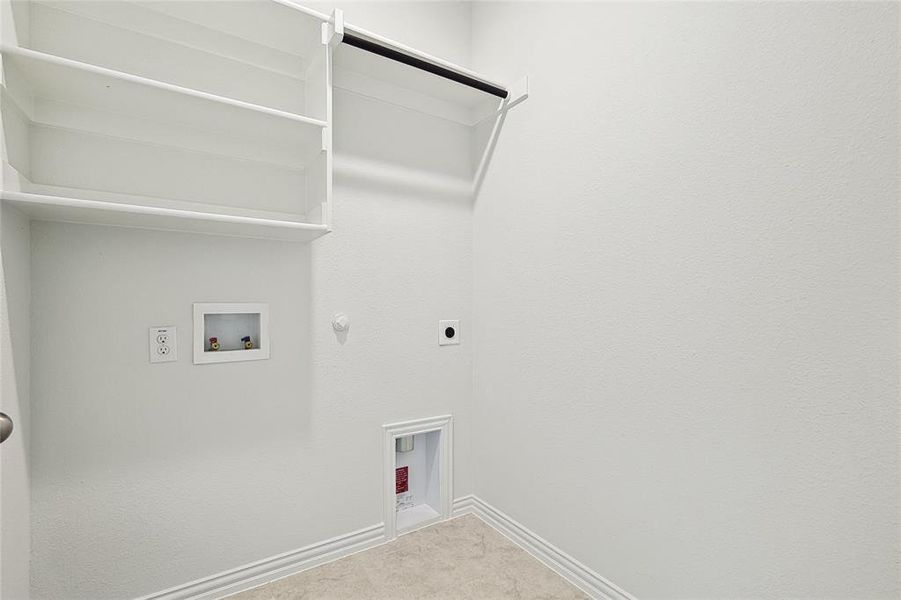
[[184, 115], [56, 78], [282, 25]]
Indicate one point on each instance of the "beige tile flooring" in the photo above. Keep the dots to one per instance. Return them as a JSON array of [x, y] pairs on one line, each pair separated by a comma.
[[459, 559]]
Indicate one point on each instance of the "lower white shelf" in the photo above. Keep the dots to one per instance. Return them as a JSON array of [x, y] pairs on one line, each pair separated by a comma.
[[417, 515], [78, 210]]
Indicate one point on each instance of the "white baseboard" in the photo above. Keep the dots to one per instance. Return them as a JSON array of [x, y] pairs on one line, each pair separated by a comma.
[[276, 567], [576, 573]]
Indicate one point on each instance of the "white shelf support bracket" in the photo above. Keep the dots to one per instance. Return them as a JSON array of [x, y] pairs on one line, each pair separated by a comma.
[[327, 215], [333, 30], [518, 93]]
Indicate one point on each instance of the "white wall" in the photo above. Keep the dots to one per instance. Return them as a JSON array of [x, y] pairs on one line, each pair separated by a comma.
[[15, 356], [148, 476], [686, 293]]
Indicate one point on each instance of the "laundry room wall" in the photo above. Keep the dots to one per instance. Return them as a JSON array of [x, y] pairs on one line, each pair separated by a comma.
[[147, 476], [686, 293]]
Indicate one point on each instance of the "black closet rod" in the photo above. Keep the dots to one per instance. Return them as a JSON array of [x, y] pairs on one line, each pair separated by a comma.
[[364, 44]]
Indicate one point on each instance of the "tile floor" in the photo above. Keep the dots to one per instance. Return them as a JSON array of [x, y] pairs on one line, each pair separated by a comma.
[[459, 559]]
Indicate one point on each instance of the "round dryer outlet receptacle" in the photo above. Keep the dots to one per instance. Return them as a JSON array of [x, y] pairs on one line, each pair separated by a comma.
[[448, 332]]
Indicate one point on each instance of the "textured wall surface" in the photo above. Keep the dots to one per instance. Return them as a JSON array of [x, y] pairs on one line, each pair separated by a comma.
[[148, 476], [15, 363], [686, 293]]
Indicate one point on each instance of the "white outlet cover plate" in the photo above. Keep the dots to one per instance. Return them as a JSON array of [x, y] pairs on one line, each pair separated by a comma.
[[163, 344], [443, 338]]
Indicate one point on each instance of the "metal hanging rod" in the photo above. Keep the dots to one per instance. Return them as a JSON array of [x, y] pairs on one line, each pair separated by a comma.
[[390, 53]]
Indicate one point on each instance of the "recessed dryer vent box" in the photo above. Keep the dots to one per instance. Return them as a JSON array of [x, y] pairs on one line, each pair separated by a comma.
[[419, 470], [230, 332]]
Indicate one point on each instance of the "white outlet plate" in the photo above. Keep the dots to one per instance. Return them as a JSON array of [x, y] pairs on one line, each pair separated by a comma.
[[448, 332], [163, 344]]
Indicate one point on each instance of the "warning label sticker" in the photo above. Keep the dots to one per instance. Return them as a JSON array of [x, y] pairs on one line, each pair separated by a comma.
[[400, 480]]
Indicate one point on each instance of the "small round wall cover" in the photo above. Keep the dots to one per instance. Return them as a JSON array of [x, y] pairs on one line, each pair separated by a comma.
[[340, 322]]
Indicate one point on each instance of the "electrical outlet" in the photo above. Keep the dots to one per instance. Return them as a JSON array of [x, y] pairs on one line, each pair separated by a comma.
[[448, 332], [163, 344]]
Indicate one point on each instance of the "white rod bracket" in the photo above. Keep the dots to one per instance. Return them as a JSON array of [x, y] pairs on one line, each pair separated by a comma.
[[518, 92], [333, 30]]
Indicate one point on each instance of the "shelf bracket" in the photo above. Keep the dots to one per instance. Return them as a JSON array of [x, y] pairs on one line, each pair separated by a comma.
[[519, 92], [333, 29]]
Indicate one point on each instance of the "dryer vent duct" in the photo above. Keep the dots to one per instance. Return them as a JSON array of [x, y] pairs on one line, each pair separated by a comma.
[[404, 444]]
